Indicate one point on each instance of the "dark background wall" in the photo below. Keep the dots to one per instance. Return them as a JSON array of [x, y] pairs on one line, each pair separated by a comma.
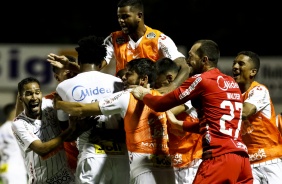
[[234, 24]]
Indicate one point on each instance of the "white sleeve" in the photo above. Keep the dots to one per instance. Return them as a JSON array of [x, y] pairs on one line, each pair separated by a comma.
[[190, 109], [110, 49], [62, 116], [168, 47], [117, 103], [259, 97], [23, 133]]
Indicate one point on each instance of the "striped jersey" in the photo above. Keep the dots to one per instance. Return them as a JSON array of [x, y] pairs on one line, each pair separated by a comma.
[[52, 168]]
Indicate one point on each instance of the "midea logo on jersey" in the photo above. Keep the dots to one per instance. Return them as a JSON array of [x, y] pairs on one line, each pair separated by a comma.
[[79, 93], [225, 85]]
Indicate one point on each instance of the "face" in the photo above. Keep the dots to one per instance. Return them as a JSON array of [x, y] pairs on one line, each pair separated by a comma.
[[128, 20], [31, 99], [194, 61], [242, 69], [61, 74], [131, 79], [164, 80]]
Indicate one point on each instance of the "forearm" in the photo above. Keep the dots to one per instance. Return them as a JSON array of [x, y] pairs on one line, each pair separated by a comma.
[[45, 148], [160, 103], [79, 109], [183, 72], [72, 108]]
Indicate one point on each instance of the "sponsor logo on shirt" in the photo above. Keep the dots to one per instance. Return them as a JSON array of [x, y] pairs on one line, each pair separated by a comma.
[[258, 156], [191, 88], [79, 93], [165, 50], [226, 84], [151, 35]]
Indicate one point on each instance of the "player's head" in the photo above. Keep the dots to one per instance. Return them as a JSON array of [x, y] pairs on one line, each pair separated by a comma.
[[121, 74], [245, 67], [167, 70], [141, 71], [203, 55], [31, 96], [130, 15], [91, 50], [61, 74], [9, 111]]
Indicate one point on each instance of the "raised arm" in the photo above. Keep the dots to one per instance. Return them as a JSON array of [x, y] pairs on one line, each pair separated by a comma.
[[62, 62]]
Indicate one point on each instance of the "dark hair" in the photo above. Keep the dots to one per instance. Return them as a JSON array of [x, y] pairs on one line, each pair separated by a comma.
[[254, 58], [210, 49], [121, 73], [143, 67], [8, 108], [70, 58], [26, 81], [91, 50], [164, 65], [134, 4]]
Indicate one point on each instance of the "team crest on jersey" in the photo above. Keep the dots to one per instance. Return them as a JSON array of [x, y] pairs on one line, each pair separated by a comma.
[[151, 35], [120, 40]]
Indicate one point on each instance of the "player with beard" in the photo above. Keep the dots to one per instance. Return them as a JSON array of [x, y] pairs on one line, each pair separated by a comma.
[[40, 137]]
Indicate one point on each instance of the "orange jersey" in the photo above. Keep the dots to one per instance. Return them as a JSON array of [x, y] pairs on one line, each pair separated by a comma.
[[264, 142], [147, 48], [146, 130], [184, 146], [279, 122]]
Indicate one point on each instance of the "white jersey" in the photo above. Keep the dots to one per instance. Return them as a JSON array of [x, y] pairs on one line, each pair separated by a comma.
[[166, 47], [52, 168], [88, 87], [12, 167]]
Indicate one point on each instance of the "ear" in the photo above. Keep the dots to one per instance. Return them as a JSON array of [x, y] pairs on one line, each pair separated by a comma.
[[253, 72], [20, 98], [143, 81], [140, 15], [169, 78], [56, 77], [205, 59]]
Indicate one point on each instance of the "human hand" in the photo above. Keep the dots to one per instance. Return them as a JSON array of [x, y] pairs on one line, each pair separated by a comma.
[[58, 61], [246, 127], [139, 92]]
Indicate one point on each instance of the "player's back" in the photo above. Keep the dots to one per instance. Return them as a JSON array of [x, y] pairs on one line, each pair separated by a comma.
[[88, 87]]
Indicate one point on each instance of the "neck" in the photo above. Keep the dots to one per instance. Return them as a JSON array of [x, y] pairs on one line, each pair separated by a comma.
[[138, 33], [87, 67], [244, 86]]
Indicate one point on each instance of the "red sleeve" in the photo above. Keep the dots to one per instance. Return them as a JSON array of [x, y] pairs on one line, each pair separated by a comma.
[[161, 103]]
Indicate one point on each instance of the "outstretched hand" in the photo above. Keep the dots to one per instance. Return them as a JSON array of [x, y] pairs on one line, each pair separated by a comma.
[[58, 61], [139, 92]]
